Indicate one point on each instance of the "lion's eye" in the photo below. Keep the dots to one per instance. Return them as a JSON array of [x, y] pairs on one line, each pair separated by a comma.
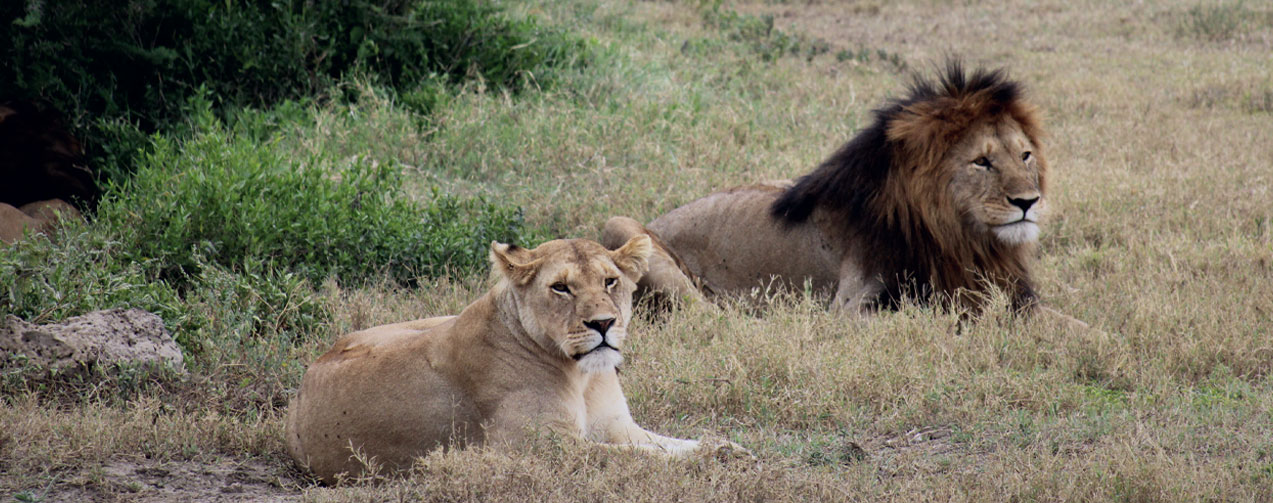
[[560, 288], [982, 161], [611, 281], [1025, 156]]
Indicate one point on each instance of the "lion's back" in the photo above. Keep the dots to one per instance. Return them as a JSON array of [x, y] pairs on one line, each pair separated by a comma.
[[730, 241]]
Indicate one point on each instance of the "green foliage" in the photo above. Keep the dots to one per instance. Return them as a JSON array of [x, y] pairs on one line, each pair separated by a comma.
[[87, 268], [864, 55], [224, 232], [84, 270], [117, 383], [138, 63], [474, 36], [241, 202], [1214, 23], [257, 301], [757, 34]]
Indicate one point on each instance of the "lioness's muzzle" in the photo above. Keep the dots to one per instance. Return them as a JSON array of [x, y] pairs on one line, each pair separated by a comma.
[[603, 344]]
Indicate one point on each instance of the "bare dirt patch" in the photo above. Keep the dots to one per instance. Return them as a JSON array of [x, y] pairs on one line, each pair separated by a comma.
[[142, 480]]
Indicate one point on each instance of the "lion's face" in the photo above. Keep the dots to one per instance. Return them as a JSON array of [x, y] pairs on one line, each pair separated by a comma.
[[996, 181], [574, 297]]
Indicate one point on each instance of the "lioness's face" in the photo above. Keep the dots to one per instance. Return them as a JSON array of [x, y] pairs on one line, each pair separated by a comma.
[[997, 181], [575, 296]]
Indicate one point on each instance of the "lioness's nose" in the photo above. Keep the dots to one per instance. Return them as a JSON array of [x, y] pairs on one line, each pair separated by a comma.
[[1023, 202], [601, 325]]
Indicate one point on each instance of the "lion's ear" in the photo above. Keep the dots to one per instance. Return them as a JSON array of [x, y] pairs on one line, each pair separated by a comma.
[[513, 262], [633, 258]]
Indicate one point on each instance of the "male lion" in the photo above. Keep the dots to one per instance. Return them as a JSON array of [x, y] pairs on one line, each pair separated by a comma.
[[539, 349], [938, 199]]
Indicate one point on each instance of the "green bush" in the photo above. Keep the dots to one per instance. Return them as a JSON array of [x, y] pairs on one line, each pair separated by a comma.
[[139, 62], [84, 270], [232, 200], [266, 304]]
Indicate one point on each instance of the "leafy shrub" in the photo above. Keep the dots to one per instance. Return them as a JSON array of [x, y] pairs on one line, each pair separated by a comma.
[[254, 301], [235, 201], [84, 270], [139, 62]]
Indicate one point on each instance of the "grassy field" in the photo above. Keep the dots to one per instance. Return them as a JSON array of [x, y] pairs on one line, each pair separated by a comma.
[[1161, 236]]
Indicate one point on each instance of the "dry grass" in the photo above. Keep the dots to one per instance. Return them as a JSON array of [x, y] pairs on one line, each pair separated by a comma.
[[1160, 236]]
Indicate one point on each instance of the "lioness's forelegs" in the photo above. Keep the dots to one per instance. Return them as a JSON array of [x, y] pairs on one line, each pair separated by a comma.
[[665, 274], [609, 420]]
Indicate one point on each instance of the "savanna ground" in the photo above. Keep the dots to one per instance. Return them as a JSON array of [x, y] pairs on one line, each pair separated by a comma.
[[1160, 236]]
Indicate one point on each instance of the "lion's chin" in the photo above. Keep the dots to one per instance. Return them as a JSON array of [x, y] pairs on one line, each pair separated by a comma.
[[601, 360], [1017, 233]]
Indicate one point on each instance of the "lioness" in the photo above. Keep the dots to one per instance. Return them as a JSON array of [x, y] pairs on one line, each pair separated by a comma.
[[939, 198], [40, 217], [539, 349]]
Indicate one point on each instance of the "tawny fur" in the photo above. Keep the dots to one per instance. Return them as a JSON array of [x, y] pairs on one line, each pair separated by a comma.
[[939, 199], [40, 217], [513, 360]]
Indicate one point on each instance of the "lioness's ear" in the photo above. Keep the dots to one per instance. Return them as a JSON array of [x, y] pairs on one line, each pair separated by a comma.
[[513, 262], [633, 258]]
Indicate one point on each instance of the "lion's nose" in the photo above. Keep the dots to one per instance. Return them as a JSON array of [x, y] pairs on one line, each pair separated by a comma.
[[601, 325], [1023, 202]]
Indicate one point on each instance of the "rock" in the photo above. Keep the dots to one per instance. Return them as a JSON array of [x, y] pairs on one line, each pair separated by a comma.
[[103, 338]]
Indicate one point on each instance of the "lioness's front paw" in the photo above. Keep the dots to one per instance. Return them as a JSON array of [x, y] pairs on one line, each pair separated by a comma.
[[723, 450]]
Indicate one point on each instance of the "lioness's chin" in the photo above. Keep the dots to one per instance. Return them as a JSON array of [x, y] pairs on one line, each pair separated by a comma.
[[1017, 233], [601, 360]]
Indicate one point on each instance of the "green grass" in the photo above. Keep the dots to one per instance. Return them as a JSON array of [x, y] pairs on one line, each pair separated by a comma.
[[1217, 22]]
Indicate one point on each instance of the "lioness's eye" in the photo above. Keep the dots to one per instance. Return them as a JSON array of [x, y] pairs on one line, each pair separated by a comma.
[[1025, 156], [560, 287], [611, 281], [982, 161]]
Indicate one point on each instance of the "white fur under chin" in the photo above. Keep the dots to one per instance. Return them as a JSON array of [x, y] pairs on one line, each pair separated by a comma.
[[1018, 233], [601, 360]]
